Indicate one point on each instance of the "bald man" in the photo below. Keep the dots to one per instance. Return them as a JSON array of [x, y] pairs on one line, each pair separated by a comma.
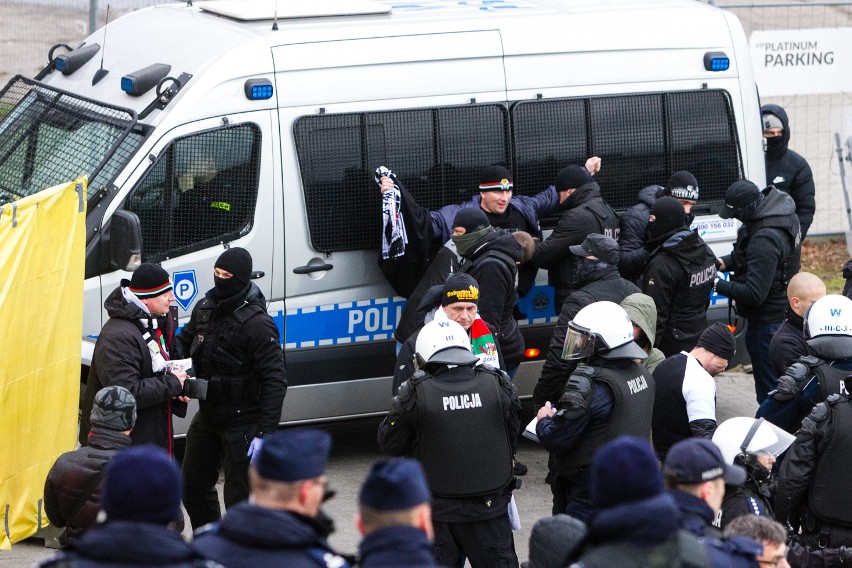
[[788, 343]]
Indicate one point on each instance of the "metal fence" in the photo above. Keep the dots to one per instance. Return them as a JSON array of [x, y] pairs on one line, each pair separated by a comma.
[[28, 28]]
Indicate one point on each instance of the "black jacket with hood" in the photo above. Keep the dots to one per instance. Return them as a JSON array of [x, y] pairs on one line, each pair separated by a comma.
[[633, 256], [790, 172]]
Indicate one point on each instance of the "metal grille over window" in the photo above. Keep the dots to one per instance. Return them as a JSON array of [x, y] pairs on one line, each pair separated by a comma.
[[48, 137], [202, 190]]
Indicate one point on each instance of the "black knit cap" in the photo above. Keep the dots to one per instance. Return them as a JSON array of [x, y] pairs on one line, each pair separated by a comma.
[[625, 470], [149, 281], [495, 178], [460, 287], [572, 177], [738, 195], [668, 216], [683, 185], [719, 340], [471, 219], [237, 261]]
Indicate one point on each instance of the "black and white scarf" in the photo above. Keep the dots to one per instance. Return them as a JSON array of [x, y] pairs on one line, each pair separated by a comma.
[[394, 237]]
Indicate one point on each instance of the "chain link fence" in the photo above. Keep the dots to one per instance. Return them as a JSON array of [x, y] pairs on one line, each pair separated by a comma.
[[28, 28]]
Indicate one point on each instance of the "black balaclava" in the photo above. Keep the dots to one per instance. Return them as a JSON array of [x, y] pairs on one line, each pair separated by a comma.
[[668, 217], [745, 213], [584, 268], [237, 261]]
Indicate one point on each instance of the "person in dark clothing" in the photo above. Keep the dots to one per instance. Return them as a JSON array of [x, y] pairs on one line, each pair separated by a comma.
[[685, 399], [459, 421], [610, 394], [764, 258], [788, 344], [810, 380], [597, 280], [679, 277], [140, 500], [555, 541], [753, 444], [785, 169], [281, 525], [234, 345], [395, 516], [633, 238], [583, 212], [643, 315], [847, 274], [132, 351], [491, 258], [72, 491]]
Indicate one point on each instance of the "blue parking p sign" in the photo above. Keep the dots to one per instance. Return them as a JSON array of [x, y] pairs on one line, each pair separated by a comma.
[[185, 287]]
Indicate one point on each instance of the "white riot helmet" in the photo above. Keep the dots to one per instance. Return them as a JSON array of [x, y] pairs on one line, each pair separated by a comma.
[[741, 439], [601, 328], [828, 327], [443, 341]]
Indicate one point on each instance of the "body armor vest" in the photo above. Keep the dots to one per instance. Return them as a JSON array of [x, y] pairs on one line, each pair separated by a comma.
[[831, 380], [463, 444], [829, 498]]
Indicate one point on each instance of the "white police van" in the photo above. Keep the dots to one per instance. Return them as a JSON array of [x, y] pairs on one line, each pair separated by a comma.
[[258, 123]]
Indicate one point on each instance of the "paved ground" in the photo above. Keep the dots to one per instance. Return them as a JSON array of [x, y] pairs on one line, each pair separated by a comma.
[[355, 448]]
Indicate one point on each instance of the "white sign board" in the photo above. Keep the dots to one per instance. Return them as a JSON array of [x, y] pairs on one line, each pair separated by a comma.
[[802, 62]]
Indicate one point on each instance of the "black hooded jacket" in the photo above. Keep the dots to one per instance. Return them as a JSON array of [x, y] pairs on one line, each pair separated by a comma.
[[633, 256], [788, 343], [679, 277], [790, 172]]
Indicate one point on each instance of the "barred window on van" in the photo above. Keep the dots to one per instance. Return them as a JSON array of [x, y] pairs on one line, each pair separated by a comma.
[[201, 191], [438, 153]]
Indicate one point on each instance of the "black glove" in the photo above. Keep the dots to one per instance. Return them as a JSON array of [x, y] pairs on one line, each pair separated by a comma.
[[792, 382]]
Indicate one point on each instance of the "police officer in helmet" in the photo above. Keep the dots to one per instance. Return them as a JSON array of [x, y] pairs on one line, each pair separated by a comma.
[[608, 395], [459, 419]]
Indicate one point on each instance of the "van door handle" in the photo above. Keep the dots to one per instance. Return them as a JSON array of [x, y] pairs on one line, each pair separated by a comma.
[[257, 274], [307, 269]]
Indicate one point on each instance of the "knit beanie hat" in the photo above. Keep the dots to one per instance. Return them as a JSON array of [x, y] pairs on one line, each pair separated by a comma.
[[719, 340], [572, 177], [668, 217], [237, 261], [683, 185], [460, 287], [624, 470], [142, 484], [395, 485], [149, 281], [471, 219], [495, 178], [771, 121], [738, 196], [114, 409]]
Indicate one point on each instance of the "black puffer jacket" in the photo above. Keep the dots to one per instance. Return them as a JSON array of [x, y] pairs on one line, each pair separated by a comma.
[[633, 256], [122, 358], [604, 284], [765, 256], [679, 277], [72, 491], [585, 212], [790, 172], [492, 263]]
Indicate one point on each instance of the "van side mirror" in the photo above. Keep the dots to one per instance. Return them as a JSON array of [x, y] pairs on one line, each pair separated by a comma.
[[125, 240]]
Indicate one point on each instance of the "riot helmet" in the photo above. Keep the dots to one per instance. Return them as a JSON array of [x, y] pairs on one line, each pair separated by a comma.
[[742, 440], [828, 327], [603, 329], [445, 342]]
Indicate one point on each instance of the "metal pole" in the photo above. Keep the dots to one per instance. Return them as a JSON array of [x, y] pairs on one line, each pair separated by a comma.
[[93, 16], [842, 169]]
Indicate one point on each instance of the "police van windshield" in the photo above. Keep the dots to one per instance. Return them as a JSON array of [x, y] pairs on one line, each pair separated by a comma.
[[49, 137]]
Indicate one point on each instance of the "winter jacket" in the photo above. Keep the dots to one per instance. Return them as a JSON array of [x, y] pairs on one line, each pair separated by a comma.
[[847, 274], [751, 498], [643, 313], [790, 172], [679, 277], [122, 358], [491, 264], [604, 284], [246, 374], [395, 546], [584, 212], [631, 240], [128, 544], [765, 257], [788, 343], [250, 536], [72, 491]]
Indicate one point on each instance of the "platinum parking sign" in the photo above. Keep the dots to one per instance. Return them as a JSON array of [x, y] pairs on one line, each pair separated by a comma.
[[185, 287]]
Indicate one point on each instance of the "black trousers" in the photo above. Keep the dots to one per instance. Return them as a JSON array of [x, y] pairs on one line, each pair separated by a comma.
[[207, 449], [486, 544]]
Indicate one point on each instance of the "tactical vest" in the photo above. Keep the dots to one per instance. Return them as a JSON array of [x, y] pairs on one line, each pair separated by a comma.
[[463, 444], [831, 380], [608, 224], [632, 388], [786, 269], [829, 496], [688, 301], [686, 551]]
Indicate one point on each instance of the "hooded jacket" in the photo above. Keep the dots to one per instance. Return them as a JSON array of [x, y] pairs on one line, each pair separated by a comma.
[[643, 312], [631, 240], [584, 212], [122, 358], [679, 277], [765, 257], [790, 172]]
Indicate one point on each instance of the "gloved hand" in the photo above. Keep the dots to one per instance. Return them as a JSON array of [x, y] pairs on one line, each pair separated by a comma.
[[254, 446], [791, 384]]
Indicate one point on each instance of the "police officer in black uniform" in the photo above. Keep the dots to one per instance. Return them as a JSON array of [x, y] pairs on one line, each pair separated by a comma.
[[459, 420], [607, 396], [234, 345]]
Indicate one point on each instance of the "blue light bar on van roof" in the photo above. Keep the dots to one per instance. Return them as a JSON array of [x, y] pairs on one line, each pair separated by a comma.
[[258, 89], [716, 61]]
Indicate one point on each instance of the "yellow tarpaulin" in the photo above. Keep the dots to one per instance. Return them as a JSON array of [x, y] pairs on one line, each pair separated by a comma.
[[42, 255]]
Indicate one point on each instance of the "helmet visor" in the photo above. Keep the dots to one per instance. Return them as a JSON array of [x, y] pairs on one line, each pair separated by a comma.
[[579, 343]]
